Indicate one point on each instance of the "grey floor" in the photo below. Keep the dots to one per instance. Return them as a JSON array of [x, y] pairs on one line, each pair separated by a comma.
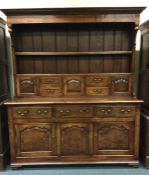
[[78, 170]]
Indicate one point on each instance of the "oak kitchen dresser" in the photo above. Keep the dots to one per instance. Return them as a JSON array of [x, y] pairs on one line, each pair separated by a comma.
[[144, 91], [74, 79]]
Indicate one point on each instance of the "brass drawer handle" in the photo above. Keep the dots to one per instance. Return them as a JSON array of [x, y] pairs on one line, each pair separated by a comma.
[[97, 80], [84, 110], [106, 111], [125, 111], [39, 112], [22, 113], [65, 112], [45, 111], [98, 91], [42, 112], [62, 111]]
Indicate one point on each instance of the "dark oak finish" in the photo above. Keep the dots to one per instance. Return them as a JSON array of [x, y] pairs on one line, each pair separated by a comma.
[[4, 148], [75, 15], [107, 135], [74, 80], [76, 85], [144, 91]]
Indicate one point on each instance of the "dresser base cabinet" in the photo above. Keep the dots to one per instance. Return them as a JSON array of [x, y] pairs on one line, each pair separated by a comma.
[[87, 133]]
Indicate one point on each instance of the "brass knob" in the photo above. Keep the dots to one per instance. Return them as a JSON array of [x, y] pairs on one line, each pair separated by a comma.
[[84, 110], [125, 111], [39, 112], [45, 111], [97, 79]]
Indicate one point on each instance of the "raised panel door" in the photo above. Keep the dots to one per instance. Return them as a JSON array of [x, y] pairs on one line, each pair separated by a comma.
[[113, 138], [74, 139], [34, 140]]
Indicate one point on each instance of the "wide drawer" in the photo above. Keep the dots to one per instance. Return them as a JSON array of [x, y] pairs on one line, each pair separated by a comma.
[[51, 81], [45, 90], [97, 91], [73, 111], [97, 81], [32, 112], [115, 111]]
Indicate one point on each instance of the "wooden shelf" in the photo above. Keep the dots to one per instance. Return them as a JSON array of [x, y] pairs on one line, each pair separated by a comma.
[[73, 53]]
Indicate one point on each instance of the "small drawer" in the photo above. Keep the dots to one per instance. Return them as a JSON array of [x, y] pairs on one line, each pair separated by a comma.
[[126, 110], [51, 81], [97, 81], [32, 112], [74, 111], [52, 92], [100, 91], [107, 111]]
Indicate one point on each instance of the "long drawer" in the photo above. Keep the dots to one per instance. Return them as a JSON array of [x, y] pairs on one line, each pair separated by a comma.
[[74, 111], [117, 111], [32, 112]]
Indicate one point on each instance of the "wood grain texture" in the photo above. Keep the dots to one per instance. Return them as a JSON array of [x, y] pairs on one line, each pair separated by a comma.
[[74, 85], [74, 102]]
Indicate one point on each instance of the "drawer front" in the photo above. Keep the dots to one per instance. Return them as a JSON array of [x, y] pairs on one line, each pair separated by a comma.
[[51, 81], [32, 112], [106, 111], [126, 111], [97, 81], [100, 91], [49, 91], [74, 111], [115, 111]]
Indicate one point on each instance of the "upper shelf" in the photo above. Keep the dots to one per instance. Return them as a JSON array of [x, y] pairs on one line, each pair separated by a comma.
[[74, 53]]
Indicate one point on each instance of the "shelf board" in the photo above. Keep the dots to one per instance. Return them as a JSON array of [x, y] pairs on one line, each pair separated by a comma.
[[73, 53]]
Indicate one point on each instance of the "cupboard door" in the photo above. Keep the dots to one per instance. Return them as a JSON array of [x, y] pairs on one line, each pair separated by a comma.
[[35, 140], [74, 139], [73, 86], [27, 86], [112, 138], [122, 85]]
